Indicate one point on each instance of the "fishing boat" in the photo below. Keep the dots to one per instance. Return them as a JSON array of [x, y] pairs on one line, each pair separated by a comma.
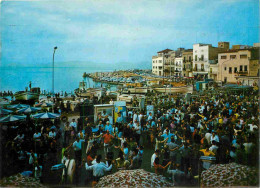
[[28, 95], [137, 90], [181, 89], [85, 92]]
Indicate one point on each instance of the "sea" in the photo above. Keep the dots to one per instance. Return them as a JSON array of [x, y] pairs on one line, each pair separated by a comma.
[[65, 78]]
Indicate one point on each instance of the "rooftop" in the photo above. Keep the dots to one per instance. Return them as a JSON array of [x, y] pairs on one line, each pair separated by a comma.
[[165, 51]]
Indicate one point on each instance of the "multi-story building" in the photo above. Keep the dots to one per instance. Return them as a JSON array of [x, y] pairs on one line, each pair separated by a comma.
[[204, 55], [163, 63], [187, 59], [238, 63], [178, 66]]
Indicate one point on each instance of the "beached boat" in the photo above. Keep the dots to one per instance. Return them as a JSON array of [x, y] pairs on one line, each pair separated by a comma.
[[83, 91], [27, 95], [182, 89], [140, 90]]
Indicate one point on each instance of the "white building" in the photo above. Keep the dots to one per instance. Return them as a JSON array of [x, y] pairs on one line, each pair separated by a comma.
[[178, 62], [163, 63], [204, 55]]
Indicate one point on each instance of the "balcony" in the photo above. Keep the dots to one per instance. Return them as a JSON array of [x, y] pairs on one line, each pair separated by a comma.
[[241, 73]]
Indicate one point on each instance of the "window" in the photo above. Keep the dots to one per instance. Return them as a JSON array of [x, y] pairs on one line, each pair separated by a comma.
[[241, 68], [184, 59], [243, 56], [195, 68], [233, 56], [245, 68], [196, 57], [210, 70], [223, 57], [225, 79], [202, 67], [225, 68], [230, 70], [235, 70], [190, 59], [202, 57], [160, 61]]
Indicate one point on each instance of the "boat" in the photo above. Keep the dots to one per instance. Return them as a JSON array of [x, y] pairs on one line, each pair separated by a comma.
[[181, 89], [28, 95], [85, 92], [135, 90]]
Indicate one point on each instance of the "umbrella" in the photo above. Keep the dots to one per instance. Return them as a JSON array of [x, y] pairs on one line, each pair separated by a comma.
[[45, 104], [46, 115], [133, 178], [28, 110], [5, 111], [18, 106], [231, 174], [10, 118]]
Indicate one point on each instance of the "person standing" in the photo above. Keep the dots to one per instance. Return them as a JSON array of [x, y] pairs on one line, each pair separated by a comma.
[[98, 168], [77, 146], [74, 124], [173, 147], [107, 142]]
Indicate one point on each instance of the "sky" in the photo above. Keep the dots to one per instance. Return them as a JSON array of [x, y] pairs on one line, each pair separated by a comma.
[[118, 32]]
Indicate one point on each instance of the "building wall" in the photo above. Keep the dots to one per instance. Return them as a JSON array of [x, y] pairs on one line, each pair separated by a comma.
[[231, 65], [187, 58], [163, 63], [157, 65], [178, 66]]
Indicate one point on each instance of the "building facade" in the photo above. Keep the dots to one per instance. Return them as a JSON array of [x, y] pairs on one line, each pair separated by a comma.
[[178, 66], [163, 63], [204, 55], [187, 59], [238, 63]]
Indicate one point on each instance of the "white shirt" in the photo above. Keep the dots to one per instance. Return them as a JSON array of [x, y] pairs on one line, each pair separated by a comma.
[[19, 137], [73, 124], [135, 117], [52, 134], [213, 148], [208, 136], [98, 169], [215, 138], [77, 145], [152, 159], [37, 136]]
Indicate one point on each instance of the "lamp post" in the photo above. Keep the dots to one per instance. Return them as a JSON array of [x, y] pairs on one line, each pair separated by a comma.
[[55, 48]]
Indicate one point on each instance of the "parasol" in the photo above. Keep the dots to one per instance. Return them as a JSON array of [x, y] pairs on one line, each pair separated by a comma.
[[11, 118], [133, 178], [46, 115], [18, 106], [28, 110], [5, 111]]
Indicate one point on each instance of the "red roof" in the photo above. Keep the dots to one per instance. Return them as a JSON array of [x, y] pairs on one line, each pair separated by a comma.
[[165, 51]]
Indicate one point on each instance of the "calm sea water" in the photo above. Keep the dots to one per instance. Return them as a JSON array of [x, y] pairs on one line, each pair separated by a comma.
[[65, 79]]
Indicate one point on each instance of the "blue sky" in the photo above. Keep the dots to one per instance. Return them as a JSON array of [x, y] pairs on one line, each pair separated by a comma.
[[119, 32]]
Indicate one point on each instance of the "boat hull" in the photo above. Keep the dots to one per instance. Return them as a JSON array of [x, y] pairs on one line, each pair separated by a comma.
[[26, 96], [184, 89]]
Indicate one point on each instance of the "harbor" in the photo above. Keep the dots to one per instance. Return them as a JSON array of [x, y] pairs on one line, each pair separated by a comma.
[[129, 94]]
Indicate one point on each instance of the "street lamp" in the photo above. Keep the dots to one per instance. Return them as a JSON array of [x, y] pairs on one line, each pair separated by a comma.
[[55, 48]]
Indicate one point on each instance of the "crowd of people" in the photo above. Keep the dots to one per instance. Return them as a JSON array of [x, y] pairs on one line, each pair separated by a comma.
[[178, 132]]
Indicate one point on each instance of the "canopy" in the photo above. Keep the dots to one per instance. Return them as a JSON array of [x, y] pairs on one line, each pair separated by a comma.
[[5, 111], [46, 115], [11, 118], [28, 110], [18, 106]]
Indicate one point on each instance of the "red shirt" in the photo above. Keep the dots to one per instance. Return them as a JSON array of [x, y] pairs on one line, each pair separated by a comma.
[[107, 138]]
